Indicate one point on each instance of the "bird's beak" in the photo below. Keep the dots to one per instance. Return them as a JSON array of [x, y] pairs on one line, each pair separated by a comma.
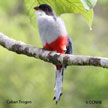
[[36, 8]]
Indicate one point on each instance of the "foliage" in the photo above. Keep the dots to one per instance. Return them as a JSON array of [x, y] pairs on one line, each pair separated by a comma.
[[88, 4], [63, 6]]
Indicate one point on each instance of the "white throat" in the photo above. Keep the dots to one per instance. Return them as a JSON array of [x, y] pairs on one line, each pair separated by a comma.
[[40, 13]]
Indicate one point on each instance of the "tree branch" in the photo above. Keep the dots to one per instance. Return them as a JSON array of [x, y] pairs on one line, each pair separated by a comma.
[[52, 57]]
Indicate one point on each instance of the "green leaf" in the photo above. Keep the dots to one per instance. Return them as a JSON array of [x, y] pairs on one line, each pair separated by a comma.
[[60, 7], [88, 4]]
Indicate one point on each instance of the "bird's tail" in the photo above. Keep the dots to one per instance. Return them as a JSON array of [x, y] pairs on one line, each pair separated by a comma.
[[59, 82]]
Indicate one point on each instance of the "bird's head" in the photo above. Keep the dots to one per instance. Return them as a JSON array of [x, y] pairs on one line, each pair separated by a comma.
[[44, 9]]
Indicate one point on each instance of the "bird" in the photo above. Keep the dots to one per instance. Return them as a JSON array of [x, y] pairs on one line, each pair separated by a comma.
[[54, 37]]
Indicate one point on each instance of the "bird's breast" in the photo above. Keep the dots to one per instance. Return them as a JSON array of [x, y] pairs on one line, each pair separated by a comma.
[[50, 29], [58, 45]]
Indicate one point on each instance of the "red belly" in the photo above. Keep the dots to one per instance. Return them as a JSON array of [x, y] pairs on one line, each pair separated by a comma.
[[57, 45]]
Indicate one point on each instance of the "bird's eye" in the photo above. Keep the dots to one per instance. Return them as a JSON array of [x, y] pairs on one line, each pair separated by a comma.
[[46, 9]]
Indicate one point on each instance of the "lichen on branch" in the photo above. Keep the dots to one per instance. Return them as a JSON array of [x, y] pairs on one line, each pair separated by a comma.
[[48, 56]]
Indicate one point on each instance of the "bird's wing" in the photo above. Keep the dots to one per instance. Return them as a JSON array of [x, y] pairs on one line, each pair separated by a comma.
[[69, 46]]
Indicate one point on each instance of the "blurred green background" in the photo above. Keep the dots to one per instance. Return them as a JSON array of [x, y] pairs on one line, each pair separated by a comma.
[[30, 79]]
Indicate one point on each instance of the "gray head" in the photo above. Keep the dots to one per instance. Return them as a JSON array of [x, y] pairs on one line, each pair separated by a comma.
[[46, 9]]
